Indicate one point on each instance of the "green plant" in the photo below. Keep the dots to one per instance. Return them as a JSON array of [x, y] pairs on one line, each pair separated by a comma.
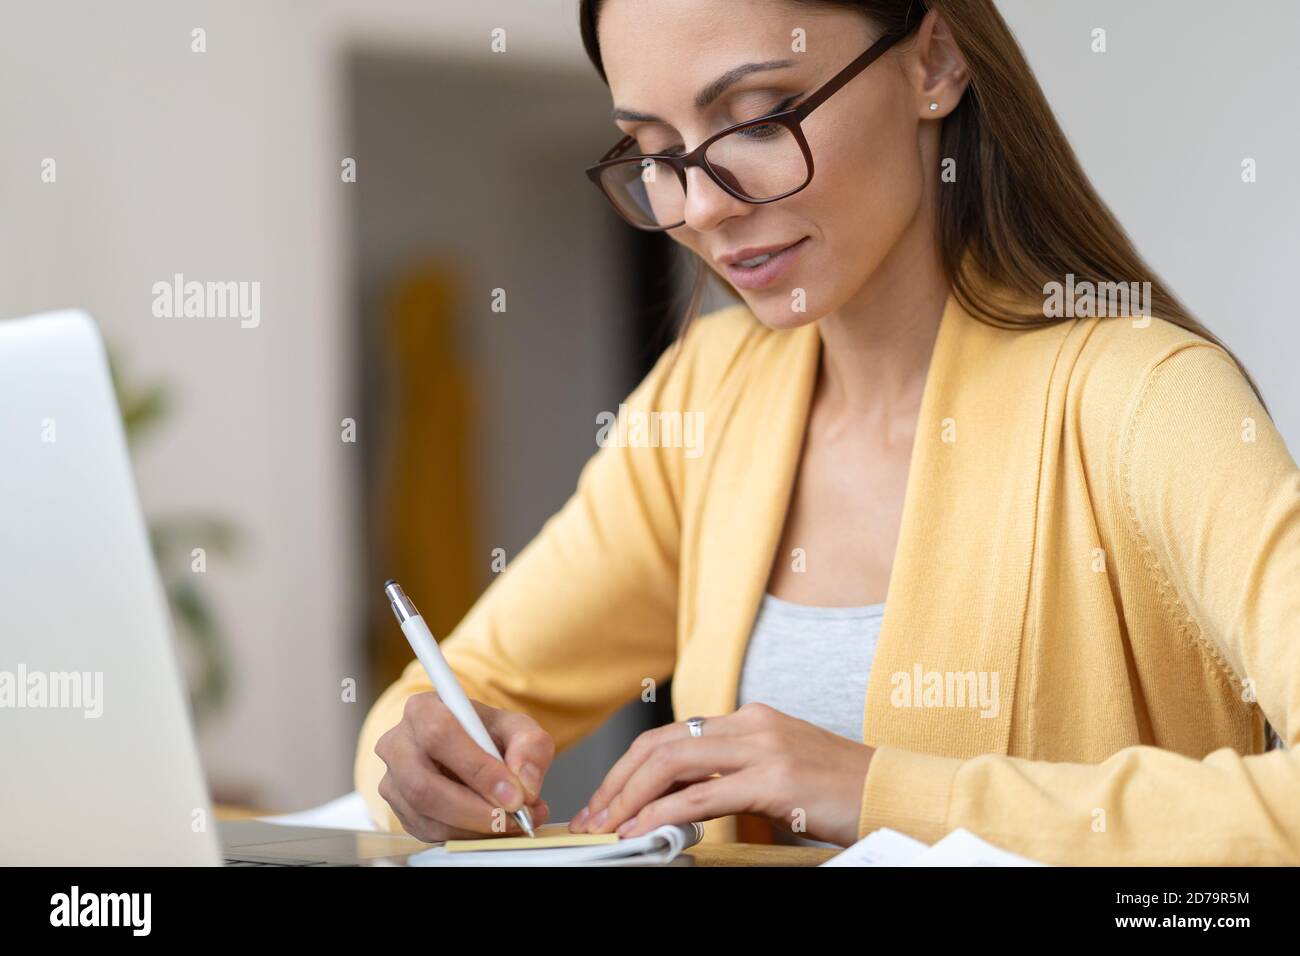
[[203, 648]]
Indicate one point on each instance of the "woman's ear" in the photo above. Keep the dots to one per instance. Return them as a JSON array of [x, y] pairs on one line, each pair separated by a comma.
[[937, 68]]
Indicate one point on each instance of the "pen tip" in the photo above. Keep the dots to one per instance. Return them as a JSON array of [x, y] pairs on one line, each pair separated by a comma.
[[525, 821], [388, 582]]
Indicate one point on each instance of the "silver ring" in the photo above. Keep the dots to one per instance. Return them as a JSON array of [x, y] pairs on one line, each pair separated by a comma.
[[695, 725]]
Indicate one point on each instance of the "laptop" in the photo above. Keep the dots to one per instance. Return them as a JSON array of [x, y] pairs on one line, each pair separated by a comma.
[[98, 755]]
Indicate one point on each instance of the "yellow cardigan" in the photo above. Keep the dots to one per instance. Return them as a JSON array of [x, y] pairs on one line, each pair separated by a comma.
[[1099, 515]]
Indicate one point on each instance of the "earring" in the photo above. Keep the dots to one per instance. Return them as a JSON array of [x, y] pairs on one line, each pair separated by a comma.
[[933, 107]]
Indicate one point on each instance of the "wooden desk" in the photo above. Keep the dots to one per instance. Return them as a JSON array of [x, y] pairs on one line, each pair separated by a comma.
[[704, 854], [758, 854]]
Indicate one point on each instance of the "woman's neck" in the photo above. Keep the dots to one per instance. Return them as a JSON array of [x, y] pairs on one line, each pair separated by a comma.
[[876, 349]]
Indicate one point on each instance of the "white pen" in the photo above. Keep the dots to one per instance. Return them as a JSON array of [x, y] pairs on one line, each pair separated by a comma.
[[444, 681]]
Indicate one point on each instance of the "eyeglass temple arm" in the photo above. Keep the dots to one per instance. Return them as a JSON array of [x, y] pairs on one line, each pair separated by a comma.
[[832, 85], [618, 148]]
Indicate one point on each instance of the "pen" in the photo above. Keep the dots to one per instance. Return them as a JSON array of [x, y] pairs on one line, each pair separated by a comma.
[[444, 681]]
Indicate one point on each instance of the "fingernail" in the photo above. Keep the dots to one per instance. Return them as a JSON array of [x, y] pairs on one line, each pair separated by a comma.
[[531, 778], [576, 823], [627, 827], [598, 820], [507, 793]]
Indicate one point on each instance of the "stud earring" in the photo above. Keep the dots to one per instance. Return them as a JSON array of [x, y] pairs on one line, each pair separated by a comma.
[[933, 107]]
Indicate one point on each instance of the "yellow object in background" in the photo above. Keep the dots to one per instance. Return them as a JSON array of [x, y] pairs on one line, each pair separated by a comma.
[[425, 507], [549, 837]]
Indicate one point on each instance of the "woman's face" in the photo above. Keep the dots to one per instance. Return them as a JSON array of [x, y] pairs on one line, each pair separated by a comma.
[[868, 185]]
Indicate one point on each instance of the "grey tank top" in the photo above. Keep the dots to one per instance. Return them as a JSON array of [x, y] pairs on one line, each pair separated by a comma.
[[812, 663]]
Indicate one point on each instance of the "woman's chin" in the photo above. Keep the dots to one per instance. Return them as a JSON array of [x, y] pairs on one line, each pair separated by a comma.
[[777, 315]]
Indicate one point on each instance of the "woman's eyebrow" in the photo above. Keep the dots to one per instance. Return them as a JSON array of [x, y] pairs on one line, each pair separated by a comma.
[[710, 91]]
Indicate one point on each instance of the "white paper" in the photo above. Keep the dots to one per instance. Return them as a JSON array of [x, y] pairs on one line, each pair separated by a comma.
[[885, 847], [963, 848], [348, 812]]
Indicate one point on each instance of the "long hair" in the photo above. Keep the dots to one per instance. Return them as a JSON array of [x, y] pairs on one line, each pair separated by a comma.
[[1026, 215]]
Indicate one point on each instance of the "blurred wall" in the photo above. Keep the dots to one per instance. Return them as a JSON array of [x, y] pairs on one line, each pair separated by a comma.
[[224, 165], [219, 166], [1162, 120]]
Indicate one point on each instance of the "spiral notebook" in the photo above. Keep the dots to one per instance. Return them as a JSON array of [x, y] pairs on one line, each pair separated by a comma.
[[661, 845]]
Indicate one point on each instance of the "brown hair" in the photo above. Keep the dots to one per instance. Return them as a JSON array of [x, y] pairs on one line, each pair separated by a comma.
[[1026, 215]]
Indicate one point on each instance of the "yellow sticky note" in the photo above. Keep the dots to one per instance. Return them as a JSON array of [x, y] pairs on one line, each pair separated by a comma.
[[549, 836]]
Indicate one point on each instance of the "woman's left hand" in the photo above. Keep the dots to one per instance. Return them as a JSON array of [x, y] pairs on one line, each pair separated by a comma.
[[801, 777]]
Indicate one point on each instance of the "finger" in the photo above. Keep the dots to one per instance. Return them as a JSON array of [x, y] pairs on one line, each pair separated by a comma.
[[440, 735], [642, 747], [431, 794], [431, 830], [539, 812], [505, 824], [674, 762], [706, 800], [414, 823], [528, 748]]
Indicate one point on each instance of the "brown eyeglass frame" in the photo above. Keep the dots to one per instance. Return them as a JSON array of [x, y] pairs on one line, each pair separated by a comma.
[[791, 119]]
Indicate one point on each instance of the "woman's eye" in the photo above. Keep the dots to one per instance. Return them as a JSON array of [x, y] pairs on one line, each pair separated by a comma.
[[785, 104], [781, 107], [659, 148]]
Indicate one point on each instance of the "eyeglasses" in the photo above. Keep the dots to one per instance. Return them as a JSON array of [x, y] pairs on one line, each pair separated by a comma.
[[757, 161]]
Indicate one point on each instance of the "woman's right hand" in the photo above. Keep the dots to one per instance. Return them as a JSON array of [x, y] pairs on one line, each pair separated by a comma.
[[444, 786]]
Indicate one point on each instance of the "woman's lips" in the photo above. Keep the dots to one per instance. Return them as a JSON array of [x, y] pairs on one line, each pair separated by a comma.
[[764, 275]]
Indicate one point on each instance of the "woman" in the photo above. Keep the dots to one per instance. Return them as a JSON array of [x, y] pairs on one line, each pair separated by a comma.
[[1058, 551]]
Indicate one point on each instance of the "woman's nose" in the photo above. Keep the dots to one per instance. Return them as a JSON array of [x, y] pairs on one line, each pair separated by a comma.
[[707, 203]]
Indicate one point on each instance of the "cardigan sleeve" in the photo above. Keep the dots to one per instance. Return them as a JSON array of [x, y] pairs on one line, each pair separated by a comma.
[[1213, 496], [586, 612]]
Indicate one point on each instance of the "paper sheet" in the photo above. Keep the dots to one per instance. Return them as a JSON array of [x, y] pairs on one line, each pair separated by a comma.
[[963, 848], [885, 847], [347, 812]]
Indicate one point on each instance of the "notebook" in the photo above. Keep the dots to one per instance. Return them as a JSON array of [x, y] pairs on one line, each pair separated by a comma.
[[555, 846]]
